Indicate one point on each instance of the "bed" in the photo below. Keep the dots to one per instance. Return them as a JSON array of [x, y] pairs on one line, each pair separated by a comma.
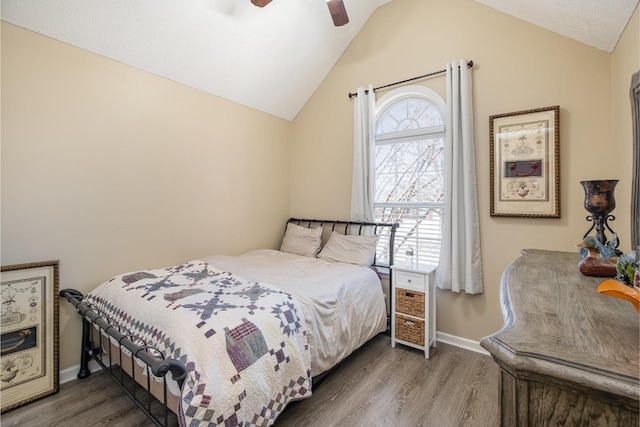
[[242, 336]]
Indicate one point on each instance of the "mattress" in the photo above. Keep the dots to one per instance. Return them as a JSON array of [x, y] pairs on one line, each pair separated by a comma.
[[342, 304]]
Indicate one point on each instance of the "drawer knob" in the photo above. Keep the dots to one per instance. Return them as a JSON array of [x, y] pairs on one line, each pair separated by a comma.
[[409, 280]]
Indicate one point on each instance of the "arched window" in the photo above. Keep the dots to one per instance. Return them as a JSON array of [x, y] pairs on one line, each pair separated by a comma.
[[409, 170]]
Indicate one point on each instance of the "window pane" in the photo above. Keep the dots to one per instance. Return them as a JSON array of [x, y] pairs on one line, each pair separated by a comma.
[[410, 172], [408, 113], [431, 169]]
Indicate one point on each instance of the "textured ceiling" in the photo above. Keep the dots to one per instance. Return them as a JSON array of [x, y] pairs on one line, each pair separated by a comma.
[[271, 59], [598, 23]]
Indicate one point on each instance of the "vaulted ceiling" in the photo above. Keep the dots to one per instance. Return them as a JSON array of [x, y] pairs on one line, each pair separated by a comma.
[[272, 58]]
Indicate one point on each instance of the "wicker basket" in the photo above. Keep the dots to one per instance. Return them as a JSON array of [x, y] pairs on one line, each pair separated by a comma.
[[410, 302], [409, 329]]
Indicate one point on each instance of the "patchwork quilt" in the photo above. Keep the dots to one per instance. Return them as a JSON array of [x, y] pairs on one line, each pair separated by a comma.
[[244, 343]]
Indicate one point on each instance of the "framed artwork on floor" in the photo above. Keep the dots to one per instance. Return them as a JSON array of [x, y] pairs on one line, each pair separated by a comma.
[[525, 163], [29, 327]]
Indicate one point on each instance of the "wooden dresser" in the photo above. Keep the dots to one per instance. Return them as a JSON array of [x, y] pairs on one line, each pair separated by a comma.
[[568, 355]]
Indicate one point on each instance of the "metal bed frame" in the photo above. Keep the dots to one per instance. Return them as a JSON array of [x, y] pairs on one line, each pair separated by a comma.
[[95, 347], [117, 351]]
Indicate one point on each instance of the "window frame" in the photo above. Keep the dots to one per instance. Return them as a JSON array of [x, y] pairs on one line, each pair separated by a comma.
[[382, 106]]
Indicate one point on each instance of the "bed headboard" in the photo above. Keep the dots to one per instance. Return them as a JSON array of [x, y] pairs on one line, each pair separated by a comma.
[[384, 253]]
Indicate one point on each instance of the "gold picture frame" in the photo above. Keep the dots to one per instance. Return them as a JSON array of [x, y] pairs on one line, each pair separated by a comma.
[[525, 163], [29, 327]]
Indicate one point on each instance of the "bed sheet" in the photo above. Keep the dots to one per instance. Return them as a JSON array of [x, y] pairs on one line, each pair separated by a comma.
[[343, 304]]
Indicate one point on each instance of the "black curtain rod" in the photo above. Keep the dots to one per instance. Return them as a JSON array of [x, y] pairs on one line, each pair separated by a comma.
[[352, 94]]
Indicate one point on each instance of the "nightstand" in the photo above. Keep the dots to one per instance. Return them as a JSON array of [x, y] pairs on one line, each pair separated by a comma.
[[413, 311]]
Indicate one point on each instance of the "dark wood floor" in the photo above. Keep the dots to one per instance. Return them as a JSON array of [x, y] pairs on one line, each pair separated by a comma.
[[377, 386]]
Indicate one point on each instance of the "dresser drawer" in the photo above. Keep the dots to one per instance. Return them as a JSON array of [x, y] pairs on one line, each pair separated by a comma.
[[407, 280], [409, 329], [409, 302]]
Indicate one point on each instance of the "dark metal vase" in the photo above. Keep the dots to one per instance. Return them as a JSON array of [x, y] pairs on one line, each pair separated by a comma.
[[599, 202]]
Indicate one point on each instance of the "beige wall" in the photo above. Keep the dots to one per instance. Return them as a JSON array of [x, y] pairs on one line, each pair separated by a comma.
[[110, 169], [518, 66]]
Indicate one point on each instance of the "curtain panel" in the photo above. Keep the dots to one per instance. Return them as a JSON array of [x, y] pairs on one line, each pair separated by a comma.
[[363, 156], [460, 266]]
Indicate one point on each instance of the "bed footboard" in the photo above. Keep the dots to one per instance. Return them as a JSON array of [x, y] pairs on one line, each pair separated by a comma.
[[111, 346]]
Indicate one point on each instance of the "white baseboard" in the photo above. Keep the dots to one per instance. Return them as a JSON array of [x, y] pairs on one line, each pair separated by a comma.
[[465, 343], [71, 373]]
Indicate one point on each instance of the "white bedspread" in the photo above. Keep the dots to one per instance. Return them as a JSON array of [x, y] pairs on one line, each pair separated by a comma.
[[343, 304]]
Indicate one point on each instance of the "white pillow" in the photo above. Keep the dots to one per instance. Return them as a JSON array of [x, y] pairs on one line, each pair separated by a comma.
[[301, 240], [359, 250]]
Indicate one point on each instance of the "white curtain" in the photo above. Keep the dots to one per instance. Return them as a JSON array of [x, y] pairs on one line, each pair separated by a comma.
[[363, 169], [460, 266]]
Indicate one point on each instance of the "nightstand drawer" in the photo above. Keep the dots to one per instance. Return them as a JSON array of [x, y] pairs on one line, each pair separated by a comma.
[[407, 280], [409, 329], [409, 302]]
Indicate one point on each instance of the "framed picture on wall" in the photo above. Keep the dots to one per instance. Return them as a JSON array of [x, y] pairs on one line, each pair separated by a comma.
[[29, 326], [525, 163]]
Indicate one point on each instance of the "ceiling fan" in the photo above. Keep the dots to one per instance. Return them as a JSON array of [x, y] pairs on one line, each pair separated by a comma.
[[336, 8]]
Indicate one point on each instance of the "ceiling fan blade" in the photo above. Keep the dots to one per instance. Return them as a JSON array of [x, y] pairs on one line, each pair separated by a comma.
[[338, 12], [260, 3]]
